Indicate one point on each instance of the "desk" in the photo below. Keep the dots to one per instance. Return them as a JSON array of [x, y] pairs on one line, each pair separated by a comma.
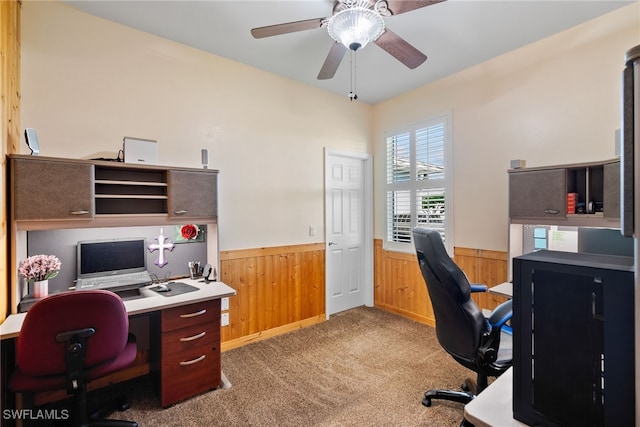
[[503, 289], [177, 382], [494, 406]]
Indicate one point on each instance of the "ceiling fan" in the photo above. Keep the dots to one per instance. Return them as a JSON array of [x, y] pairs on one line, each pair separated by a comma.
[[353, 24]]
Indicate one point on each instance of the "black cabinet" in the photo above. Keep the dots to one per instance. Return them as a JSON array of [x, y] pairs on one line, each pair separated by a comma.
[[573, 339]]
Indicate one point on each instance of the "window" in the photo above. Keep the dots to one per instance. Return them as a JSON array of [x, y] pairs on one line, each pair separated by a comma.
[[418, 182]]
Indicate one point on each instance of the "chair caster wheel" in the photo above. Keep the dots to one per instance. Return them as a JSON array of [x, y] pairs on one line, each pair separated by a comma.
[[426, 402], [123, 405]]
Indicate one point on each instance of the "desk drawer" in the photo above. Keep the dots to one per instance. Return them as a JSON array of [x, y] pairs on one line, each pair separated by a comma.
[[185, 375], [183, 341], [189, 315]]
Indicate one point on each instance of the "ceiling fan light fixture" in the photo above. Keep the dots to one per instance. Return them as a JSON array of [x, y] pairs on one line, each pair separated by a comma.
[[355, 27]]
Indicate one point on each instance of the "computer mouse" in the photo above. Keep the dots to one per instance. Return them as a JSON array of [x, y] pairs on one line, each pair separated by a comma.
[[162, 288]]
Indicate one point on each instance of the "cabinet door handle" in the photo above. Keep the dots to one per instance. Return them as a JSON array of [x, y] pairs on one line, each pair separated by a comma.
[[191, 362], [196, 314], [552, 211], [194, 337], [180, 212], [80, 212]]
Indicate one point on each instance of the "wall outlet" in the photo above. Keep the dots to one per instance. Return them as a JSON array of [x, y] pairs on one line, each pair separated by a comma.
[[224, 320], [224, 304]]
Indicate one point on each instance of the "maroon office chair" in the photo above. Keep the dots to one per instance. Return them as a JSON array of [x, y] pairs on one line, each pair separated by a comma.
[[69, 339]]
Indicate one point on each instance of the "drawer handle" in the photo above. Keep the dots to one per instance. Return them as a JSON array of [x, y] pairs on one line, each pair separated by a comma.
[[180, 212], [552, 211], [191, 362], [196, 314], [195, 337], [80, 212]]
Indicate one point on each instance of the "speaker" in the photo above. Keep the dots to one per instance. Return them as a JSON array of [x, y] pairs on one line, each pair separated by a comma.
[[31, 136], [205, 158], [517, 164]]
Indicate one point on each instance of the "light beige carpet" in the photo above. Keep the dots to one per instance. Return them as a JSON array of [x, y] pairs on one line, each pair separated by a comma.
[[363, 367]]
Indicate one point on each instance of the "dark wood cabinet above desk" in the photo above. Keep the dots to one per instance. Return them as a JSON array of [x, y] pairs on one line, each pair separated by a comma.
[[192, 194], [539, 194], [48, 189], [49, 193]]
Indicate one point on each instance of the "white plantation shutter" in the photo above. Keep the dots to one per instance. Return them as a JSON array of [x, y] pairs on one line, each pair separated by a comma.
[[418, 183], [398, 158], [430, 152]]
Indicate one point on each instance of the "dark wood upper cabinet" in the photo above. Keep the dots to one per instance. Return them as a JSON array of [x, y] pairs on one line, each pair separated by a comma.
[[50, 189], [540, 195], [49, 192]]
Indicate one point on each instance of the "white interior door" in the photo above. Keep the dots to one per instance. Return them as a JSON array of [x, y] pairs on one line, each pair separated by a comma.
[[348, 232]]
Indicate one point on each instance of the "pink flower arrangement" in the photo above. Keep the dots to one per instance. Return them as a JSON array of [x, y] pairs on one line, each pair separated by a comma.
[[189, 231], [39, 267]]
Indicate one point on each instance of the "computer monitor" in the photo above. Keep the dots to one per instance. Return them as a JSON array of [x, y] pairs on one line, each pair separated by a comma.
[[111, 257]]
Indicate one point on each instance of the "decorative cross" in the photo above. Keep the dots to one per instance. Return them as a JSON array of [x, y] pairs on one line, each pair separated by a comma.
[[162, 244]]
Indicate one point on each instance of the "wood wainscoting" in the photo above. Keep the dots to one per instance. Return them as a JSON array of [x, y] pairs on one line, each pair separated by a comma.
[[485, 267], [400, 288], [278, 289]]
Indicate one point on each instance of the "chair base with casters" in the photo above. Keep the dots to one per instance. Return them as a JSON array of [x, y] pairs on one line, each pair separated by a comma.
[[452, 395]]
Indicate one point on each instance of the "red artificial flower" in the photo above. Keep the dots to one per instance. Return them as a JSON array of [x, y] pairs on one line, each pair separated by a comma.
[[189, 231]]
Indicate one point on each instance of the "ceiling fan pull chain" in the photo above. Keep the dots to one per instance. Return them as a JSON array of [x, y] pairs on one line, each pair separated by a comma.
[[352, 83]]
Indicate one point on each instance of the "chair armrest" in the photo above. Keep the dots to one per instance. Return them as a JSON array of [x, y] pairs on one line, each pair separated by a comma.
[[488, 351], [478, 287], [501, 314]]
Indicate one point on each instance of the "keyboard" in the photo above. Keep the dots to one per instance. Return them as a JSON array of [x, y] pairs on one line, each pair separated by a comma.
[[119, 282]]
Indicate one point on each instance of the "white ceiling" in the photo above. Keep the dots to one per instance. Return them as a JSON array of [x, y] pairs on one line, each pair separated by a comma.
[[455, 35]]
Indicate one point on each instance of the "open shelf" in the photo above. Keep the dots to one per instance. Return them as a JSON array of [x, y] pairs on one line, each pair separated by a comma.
[[130, 191]]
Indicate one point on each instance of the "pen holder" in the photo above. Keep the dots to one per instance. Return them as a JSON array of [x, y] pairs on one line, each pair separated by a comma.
[[195, 269]]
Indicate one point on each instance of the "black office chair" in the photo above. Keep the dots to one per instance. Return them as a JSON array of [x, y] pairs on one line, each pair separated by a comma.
[[69, 339], [474, 341]]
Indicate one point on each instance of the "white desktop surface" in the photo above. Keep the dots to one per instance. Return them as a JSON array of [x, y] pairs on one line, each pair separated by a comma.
[[152, 301], [504, 289], [494, 406]]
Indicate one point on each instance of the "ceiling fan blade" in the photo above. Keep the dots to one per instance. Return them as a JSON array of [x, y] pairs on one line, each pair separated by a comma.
[[396, 7], [331, 63], [400, 49], [289, 27]]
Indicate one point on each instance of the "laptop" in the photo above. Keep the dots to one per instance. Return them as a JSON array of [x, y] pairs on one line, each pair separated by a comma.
[[115, 264]]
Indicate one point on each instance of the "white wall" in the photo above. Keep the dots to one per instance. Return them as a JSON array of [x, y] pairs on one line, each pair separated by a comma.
[[87, 83], [555, 101]]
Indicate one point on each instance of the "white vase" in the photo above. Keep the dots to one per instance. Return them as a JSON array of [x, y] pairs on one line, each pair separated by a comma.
[[40, 289]]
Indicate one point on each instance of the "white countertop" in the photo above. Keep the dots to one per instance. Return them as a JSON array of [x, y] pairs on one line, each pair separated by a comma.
[[504, 289], [494, 406], [152, 301]]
